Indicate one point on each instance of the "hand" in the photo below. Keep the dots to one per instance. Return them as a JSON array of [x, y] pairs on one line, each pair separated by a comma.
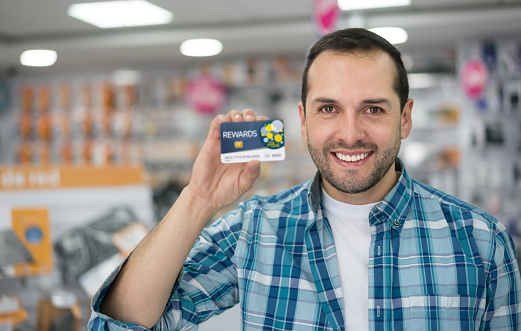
[[217, 184]]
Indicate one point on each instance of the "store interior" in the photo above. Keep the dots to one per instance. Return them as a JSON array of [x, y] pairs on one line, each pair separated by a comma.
[[96, 147]]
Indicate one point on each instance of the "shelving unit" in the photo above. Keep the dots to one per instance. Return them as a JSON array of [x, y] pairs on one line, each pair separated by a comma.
[[492, 155], [73, 198]]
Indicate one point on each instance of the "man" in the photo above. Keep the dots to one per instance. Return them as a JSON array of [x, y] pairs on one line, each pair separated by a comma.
[[361, 246]]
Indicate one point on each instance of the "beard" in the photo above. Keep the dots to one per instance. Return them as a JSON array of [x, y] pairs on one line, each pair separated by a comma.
[[351, 182]]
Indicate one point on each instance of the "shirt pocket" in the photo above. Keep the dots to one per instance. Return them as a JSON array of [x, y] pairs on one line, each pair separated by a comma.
[[437, 312]]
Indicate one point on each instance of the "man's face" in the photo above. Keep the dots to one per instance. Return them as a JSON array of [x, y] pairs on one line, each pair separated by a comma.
[[353, 124]]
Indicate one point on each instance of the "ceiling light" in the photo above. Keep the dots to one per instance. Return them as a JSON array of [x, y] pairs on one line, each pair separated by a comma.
[[116, 14], [201, 47], [38, 58], [368, 4], [392, 34]]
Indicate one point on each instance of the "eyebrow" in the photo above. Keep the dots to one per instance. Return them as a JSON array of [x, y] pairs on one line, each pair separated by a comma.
[[324, 100], [377, 101], [364, 102]]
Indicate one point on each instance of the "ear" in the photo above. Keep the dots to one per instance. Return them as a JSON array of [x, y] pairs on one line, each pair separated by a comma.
[[406, 119], [302, 114]]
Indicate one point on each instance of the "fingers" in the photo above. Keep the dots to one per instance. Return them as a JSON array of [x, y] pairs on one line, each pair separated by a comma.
[[245, 115], [214, 132], [248, 115]]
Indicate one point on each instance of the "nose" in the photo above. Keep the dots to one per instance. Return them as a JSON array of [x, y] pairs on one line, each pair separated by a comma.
[[350, 128]]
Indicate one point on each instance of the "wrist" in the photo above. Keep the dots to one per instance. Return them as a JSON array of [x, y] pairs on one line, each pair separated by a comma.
[[197, 203]]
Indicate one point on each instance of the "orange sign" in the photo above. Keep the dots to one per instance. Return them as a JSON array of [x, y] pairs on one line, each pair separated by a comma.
[[33, 229], [27, 177]]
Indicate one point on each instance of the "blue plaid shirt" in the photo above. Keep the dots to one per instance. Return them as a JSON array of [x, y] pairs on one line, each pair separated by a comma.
[[435, 263]]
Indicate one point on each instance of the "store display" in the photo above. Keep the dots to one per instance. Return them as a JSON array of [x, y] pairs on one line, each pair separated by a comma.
[[12, 312], [58, 317], [490, 160], [325, 15], [85, 247], [26, 246], [494, 134], [473, 76], [4, 96], [12, 250], [93, 122], [206, 94]]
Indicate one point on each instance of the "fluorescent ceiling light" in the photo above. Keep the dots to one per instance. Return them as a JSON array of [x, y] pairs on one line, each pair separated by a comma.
[[392, 34], [116, 14], [201, 47], [368, 4], [38, 58]]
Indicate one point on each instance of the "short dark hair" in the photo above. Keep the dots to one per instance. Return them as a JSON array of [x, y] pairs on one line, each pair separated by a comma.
[[353, 40]]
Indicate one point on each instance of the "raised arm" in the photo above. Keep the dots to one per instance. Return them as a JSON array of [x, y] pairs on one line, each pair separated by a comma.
[[142, 288]]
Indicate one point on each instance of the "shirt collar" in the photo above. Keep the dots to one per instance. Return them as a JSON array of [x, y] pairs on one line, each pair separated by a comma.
[[394, 208]]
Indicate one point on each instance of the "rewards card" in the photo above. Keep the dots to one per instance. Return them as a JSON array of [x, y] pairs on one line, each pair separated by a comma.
[[257, 140]]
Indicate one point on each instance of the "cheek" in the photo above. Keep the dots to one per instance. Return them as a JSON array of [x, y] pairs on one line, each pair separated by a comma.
[[386, 136], [315, 135]]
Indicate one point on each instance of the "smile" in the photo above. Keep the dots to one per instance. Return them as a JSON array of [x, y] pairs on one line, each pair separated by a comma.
[[351, 158]]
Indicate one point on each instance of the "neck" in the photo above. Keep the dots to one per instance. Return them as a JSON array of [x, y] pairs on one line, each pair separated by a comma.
[[374, 194]]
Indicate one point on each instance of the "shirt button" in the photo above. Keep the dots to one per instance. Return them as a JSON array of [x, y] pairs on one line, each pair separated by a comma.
[[396, 223]]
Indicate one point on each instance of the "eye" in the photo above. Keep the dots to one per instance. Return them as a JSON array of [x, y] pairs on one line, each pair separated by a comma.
[[374, 110], [327, 109]]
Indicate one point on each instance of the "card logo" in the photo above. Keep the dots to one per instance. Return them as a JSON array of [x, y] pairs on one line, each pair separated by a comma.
[[272, 134]]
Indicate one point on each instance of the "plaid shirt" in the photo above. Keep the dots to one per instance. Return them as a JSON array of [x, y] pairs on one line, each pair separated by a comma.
[[435, 263]]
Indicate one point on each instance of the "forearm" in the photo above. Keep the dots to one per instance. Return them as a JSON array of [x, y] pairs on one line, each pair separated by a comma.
[[143, 286], [141, 290]]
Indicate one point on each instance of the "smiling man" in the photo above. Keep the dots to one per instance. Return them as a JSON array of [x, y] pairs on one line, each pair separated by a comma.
[[353, 123], [361, 246]]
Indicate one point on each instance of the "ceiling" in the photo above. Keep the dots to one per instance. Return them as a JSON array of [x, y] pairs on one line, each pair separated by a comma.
[[246, 28]]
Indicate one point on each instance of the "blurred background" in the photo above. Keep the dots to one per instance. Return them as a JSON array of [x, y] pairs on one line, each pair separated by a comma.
[[101, 118]]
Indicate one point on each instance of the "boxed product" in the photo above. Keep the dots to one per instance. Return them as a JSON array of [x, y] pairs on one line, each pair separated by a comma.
[[25, 242]]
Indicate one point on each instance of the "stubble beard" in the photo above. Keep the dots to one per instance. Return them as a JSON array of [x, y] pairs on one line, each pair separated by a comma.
[[351, 182]]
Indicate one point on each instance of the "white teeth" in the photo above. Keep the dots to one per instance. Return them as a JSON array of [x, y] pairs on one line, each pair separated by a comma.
[[351, 158]]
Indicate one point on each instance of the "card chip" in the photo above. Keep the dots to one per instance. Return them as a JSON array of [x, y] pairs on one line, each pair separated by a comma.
[[239, 144]]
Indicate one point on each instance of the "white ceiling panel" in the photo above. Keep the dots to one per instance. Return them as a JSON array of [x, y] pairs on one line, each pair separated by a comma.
[[246, 27], [432, 4]]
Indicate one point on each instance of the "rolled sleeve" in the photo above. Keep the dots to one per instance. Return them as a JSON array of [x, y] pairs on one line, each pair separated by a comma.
[[101, 322]]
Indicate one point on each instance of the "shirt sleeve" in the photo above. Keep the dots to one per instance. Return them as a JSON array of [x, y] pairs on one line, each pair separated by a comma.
[[503, 310], [206, 287]]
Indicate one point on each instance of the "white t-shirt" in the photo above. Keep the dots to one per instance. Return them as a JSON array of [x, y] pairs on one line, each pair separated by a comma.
[[352, 234]]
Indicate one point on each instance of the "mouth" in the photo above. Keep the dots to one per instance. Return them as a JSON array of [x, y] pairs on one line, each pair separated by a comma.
[[352, 157]]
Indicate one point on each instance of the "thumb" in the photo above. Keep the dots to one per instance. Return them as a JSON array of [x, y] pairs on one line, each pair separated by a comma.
[[251, 172], [253, 167]]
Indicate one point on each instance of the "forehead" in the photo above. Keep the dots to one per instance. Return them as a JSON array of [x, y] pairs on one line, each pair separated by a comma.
[[368, 70]]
